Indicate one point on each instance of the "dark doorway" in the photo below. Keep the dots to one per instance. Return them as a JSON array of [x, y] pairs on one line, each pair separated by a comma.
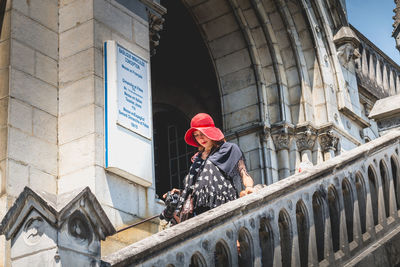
[[183, 84]]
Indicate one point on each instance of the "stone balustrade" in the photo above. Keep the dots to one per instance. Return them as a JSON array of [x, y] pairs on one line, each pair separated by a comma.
[[376, 72], [332, 214]]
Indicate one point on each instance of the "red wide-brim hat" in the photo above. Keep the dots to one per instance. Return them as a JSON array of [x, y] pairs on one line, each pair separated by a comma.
[[204, 123]]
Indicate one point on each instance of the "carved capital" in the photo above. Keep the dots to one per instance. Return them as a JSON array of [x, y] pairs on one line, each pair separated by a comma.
[[281, 141], [305, 139], [155, 26], [329, 141]]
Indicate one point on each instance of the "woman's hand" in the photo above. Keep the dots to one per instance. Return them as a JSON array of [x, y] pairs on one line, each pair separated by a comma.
[[246, 191], [173, 191]]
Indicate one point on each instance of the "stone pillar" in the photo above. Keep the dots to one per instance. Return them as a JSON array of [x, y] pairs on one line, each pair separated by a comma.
[[50, 230], [329, 143], [281, 139], [305, 140]]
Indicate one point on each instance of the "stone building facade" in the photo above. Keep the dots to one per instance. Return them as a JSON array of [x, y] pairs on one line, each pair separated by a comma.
[[289, 81]]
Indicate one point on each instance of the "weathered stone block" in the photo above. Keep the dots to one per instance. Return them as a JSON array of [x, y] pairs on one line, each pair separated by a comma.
[[74, 13], [220, 26], [194, 2], [141, 34], [233, 62], [76, 95], [77, 154], [113, 17], [5, 53], [4, 82], [240, 99], [3, 142], [22, 6], [44, 126], [77, 179], [227, 44], [119, 218], [237, 80], [251, 18], [22, 57], [34, 91], [42, 181], [33, 151], [241, 117], [38, 37], [17, 177], [77, 66], [273, 94], [210, 10], [295, 94], [46, 69], [76, 124], [101, 34], [140, 51], [71, 41], [99, 91], [46, 12], [116, 192], [269, 75], [4, 102], [259, 37], [20, 115]]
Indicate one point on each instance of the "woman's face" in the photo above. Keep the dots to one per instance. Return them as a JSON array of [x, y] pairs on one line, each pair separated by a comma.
[[203, 140]]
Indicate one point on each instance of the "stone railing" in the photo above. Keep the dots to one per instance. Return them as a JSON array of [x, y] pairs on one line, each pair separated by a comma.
[[332, 214], [376, 72]]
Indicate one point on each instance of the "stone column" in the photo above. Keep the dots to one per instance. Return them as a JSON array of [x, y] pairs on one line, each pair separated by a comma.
[[329, 142], [281, 139], [50, 230], [305, 140]]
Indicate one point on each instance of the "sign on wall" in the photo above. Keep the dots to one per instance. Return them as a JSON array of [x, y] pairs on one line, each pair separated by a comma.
[[127, 115], [133, 93]]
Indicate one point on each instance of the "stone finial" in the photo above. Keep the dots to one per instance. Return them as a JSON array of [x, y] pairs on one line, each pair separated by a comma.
[[305, 138], [51, 230]]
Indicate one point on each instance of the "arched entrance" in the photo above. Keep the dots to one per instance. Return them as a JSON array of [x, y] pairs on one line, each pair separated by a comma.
[[183, 84]]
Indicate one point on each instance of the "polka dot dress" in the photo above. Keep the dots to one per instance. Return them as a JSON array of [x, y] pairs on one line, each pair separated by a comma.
[[208, 185]]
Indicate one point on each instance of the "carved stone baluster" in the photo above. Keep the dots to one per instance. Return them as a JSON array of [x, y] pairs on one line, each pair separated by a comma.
[[397, 84], [385, 79], [378, 73], [364, 62], [371, 68], [392, 86]]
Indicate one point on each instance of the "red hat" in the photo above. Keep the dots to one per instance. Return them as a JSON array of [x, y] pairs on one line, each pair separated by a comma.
[[204, 123]]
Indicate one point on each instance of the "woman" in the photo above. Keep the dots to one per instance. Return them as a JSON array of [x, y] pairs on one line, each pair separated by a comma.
[[217, 171]]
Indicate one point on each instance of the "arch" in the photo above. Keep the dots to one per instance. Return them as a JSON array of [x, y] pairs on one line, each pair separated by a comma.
[[286, 239], [197, 260], [373, 191], [334, 215], [385, 186], [222, 256], [362, 201], [394, 164], [319, 222], [246, 255], [303, 231], [266, 237], [348, 202]]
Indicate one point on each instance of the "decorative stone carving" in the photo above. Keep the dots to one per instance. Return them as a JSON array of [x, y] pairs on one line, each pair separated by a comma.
[[78, 227], [155, 26], [347, 45], [328, 141], [59, 226], [33, 230], [281, 141], [305, 139]]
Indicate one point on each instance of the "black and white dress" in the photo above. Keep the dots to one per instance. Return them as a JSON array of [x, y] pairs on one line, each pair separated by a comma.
[[215, 180]]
